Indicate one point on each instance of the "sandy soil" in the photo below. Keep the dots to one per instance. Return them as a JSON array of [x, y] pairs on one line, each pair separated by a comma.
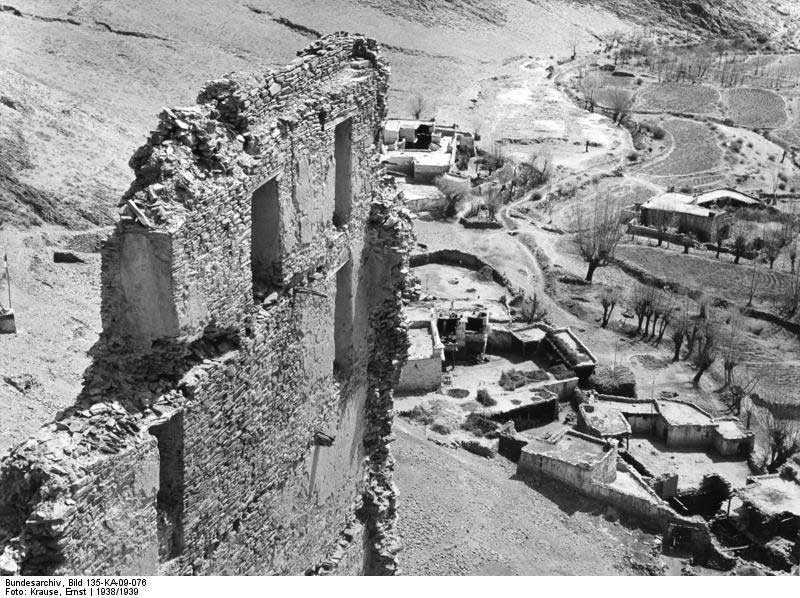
[[82, 81], [466, 515], [57, 312]]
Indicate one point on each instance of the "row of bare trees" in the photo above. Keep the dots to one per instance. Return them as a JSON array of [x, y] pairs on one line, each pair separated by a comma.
[[729, 62], [615, 98]]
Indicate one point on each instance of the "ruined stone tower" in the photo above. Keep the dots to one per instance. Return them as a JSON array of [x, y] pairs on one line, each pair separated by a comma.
[[236, 417]]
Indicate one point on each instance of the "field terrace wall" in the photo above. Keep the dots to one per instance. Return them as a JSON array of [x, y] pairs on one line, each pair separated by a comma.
[[237, 414]]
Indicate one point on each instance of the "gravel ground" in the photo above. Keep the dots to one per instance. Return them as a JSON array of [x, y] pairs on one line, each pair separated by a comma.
[[461, 514]]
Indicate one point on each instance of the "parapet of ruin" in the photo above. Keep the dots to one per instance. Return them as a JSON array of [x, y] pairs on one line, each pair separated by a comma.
[[237, 414]]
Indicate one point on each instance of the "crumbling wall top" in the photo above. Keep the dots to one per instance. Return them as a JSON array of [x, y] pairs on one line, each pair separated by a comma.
[[235, 131]]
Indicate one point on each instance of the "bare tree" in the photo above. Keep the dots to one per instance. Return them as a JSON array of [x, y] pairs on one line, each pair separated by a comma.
[[731, 354], [609, 297], [706, 349], [774, 242], [734, 395], [620, 102], [639, 302], [790, 299], [589, 87], [720, 235], [532, 309], [782, 438], [574, 40], [417, 105], [612, 38], [753, 280], [663, 313], [599, 229], [687, 240], [661, 220], [695, 324], [740, 243], [494, 202], [679, 330]]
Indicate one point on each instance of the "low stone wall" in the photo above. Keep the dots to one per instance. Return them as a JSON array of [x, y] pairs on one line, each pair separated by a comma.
[[562, 388], [779, 410], [454, 257], [686, 436], [640, 230]]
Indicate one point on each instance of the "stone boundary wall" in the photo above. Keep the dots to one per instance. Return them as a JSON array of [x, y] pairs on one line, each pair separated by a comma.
[[454, 257], [218, 433], [778, 410]]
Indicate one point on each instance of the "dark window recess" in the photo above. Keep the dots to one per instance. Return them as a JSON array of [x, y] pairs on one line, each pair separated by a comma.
[[169, 502], [265, 240], [343, 156]]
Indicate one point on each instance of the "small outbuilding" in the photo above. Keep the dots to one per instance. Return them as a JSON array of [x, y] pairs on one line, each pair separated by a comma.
[[570, 457], [423, 369]]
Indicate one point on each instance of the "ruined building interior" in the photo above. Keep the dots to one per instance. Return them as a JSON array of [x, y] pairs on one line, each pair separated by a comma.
[[236, 414]]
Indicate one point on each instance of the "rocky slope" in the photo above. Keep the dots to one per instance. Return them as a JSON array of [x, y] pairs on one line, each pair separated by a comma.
[[82, 80], [724, 17]]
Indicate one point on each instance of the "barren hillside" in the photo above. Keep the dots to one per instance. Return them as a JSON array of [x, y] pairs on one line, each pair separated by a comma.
[[82, 80]]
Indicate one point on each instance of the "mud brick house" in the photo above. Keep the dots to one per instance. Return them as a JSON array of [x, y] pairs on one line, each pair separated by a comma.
[[570, 457], [236, 416], [687, 214]]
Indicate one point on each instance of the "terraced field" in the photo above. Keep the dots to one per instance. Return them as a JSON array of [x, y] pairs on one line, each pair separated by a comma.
[[789, 134], [695, 150], [678, 97], [755, 108], [701, 272]]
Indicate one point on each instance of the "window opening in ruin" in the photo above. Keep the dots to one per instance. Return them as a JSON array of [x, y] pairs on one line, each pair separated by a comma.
[[343, 156], [169, 501], [343, 320], [265, 239]]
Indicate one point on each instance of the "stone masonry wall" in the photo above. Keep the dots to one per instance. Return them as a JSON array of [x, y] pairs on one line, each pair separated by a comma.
[[237, 416]]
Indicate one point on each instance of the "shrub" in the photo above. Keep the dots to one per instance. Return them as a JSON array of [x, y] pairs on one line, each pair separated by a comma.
[[561, 372], [620, 381], [659, 133], [454, 192], [440, 428], [479, 425], [633, 156], [419, 414], [484, 398], [513, 379], [473, 446]]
